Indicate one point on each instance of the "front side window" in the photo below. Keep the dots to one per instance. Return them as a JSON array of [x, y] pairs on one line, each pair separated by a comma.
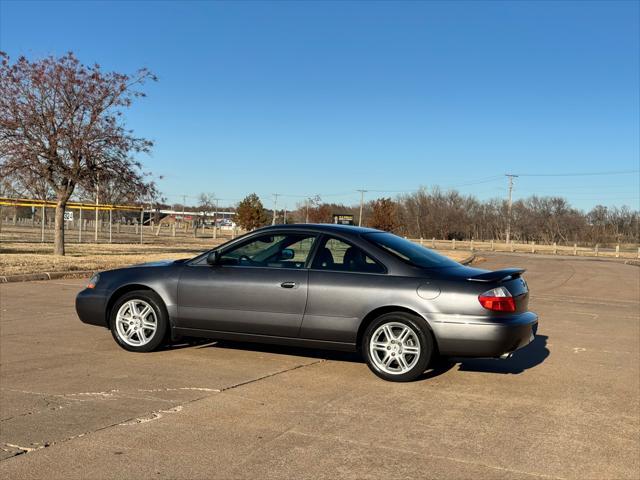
[[275, 251], [408, 251], [337, 255]]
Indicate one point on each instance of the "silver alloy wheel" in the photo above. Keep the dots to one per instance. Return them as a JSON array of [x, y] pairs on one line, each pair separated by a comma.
[[394, 348], [136, 322]]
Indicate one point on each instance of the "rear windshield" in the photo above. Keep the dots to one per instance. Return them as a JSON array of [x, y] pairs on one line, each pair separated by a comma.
[[409, 251]]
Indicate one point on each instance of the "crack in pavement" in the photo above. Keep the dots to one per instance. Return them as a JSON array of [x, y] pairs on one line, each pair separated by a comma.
[[108, 393], [76, 401], [21, 449], [269, 375], [199, 389], [155, 415]]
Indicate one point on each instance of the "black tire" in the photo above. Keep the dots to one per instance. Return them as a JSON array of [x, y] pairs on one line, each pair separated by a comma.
[[421, 335], [162, 322]]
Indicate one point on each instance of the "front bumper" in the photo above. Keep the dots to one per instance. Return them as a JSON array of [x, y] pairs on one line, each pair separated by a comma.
[[485, 339], [91, 307]]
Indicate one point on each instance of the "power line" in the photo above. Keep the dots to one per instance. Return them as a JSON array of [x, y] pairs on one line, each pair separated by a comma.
[[570, 188], [578, 194], [486, 180], [577, 174], [412, 190]]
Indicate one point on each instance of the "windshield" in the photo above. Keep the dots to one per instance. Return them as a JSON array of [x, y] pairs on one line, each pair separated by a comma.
[[409, 251]]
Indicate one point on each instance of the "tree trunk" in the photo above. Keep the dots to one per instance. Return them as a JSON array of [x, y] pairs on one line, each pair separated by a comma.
[[63, 195], [58, 246]]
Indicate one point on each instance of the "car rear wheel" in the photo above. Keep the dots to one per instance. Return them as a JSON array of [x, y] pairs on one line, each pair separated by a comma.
[[139, 321], [397, 347]]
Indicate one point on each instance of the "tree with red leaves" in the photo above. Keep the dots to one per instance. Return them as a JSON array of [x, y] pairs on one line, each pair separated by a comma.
[[62, 122], [384, 215]]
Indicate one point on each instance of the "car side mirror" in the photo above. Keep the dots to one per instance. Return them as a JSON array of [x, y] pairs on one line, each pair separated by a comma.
[[213, 258], [287, 254]]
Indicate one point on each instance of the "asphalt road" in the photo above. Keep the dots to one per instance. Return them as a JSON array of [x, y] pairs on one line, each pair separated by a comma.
[[75, 405]]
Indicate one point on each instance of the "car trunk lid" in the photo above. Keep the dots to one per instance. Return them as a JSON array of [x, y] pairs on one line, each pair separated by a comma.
[[511, 278]]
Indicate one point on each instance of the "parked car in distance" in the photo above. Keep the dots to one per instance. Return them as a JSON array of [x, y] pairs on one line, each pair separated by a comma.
[[323, 286]]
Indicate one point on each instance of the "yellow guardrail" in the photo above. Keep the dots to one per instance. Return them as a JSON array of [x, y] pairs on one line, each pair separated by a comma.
[[28, 202]]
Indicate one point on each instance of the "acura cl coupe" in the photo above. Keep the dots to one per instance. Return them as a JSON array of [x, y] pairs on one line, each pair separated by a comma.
[[323, 286]]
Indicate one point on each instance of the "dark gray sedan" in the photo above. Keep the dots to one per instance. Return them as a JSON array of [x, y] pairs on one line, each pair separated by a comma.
[[322, 286]]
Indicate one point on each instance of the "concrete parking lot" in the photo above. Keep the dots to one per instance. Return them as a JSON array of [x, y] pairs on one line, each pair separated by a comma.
[[75, 405]]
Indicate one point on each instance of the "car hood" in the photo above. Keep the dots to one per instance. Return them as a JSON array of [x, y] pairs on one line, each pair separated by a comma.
[[159, 263]]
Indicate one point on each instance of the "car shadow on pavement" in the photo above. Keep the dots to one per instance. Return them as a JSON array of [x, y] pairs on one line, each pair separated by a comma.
[[524, 359], [285, 350], [186, 343]]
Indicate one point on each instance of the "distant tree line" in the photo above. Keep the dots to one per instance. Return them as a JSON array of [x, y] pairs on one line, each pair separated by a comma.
[[440, 214], [449, 215]]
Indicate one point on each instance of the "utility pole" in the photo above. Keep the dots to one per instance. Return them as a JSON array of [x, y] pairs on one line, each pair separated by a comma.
[[285, 215], [275, 207], [306, 219], [511, 177], [362, 192]]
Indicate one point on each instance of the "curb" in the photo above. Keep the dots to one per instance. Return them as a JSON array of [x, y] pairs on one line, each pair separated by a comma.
[[468, 260], [30, 277]]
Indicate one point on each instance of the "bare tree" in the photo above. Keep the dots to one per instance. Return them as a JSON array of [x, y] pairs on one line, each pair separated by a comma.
[[62, 121], [207, 201]]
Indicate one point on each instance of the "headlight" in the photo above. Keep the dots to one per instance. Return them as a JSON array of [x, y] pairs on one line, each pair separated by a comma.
[[93, 280]]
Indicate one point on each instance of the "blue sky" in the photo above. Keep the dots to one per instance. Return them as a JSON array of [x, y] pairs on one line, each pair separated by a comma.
[[302, 98]]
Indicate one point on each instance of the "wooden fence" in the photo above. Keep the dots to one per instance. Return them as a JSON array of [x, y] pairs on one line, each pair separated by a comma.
[[619, 251]]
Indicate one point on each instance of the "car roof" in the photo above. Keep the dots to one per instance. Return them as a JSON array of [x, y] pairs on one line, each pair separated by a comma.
[[322, 227]]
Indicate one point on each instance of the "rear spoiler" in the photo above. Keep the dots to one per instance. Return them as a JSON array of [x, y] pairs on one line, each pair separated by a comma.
[[498, 275]]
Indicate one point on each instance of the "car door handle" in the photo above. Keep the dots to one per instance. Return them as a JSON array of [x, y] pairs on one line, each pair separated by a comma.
[[288, 284]]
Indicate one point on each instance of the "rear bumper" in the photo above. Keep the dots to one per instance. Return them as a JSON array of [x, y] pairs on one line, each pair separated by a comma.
[[485, 339], [90, 307]]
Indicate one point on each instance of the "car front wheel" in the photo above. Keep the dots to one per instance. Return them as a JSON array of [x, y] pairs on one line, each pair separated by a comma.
[[139, 321], [397, 347]]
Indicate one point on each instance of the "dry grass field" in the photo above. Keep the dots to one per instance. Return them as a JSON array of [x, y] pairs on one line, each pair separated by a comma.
[[20, 258]]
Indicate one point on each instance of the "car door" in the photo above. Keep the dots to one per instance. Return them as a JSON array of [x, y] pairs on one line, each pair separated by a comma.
[[343, 282], [257, 287]]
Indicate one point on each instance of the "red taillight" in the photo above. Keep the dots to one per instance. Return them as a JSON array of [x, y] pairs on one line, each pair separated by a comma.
[[498, 299]]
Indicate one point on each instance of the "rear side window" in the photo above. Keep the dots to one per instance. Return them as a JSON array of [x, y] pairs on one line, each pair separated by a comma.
[[408, 251], [336, 255]]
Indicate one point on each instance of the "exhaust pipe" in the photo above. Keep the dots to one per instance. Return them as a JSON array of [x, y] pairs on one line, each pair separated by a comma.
[[506, 356]]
